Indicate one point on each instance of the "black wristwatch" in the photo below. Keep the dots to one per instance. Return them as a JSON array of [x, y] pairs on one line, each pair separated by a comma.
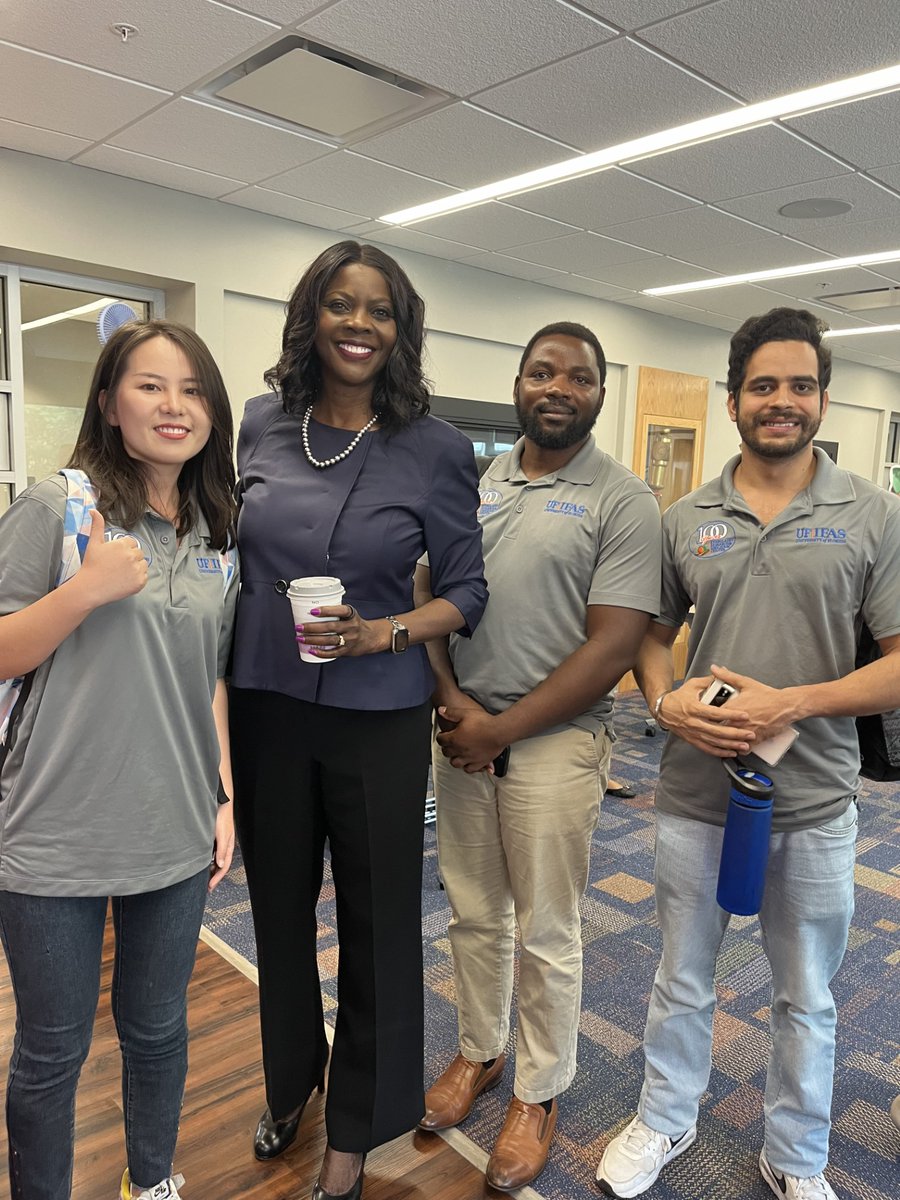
[[399, 636]]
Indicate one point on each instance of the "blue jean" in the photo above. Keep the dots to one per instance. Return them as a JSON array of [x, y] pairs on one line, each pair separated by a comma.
[[53, 946], [805, 918]]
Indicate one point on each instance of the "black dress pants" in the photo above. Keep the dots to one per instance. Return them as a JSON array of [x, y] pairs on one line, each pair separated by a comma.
[[306, 772]]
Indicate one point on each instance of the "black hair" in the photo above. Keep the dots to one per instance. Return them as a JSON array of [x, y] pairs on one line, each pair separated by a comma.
[[777, 325], [206, 481], [568, 329], [401, 391]]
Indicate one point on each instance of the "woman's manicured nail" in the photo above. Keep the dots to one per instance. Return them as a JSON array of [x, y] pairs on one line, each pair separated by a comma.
[[313, 612]]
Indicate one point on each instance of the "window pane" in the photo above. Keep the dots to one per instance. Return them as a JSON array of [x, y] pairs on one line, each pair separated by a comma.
[[5, 456], [4, 344], [5, 496], [60, 345]]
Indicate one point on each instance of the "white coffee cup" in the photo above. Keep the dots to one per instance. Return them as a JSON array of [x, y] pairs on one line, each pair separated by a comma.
[[313, 591]]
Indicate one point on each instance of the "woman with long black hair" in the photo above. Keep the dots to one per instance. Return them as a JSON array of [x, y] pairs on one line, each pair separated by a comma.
[[344, 474]]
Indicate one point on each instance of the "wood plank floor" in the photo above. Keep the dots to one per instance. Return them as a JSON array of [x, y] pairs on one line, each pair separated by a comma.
[[222, 1104]]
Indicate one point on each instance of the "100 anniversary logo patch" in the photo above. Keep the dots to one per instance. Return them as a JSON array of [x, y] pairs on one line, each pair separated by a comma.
[[709, 540]]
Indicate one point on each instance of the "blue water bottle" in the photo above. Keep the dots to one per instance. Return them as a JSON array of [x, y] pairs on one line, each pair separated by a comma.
[[745, 846]]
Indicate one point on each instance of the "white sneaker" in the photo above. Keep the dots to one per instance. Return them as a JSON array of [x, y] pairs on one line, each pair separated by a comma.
[[167, 1190], [789, 1187], [632, 1161]]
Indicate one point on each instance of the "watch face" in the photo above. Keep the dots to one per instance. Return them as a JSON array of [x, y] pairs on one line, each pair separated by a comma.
[[399, 639]]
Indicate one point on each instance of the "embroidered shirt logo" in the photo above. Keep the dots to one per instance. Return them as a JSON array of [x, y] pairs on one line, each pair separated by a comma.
[[209, 566], [709, 540], [490, 501], [824, 536], [114, 534], [565, 508]]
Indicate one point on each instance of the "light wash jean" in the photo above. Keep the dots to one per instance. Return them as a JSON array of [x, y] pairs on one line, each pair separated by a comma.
[[805, 918]]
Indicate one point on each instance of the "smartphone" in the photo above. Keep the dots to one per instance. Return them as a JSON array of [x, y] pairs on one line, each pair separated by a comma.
[[501, 763], [773, 749]]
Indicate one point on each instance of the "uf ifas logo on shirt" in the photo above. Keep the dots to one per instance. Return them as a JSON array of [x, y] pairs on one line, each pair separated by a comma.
[[209, 566], [490, 501], [709, 540]]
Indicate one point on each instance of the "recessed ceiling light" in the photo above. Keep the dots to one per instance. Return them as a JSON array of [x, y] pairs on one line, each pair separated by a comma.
[[813, 268], [833, 333], [748, 116], [815, 207]]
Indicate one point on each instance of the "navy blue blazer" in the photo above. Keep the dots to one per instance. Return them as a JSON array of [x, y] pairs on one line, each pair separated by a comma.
[[367, 520]]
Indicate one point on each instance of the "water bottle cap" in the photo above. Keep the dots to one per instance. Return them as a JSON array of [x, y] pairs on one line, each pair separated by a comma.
[[750, 783]]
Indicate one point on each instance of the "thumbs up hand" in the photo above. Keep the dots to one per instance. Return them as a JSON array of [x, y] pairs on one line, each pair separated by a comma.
[[110, 570]]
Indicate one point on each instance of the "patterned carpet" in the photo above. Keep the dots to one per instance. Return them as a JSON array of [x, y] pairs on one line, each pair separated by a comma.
[[621, 953]]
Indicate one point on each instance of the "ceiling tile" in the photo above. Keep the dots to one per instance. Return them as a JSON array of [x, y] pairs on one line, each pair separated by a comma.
[[598, 201], [421, 243], [222, 143], [68, 99], [584, 253], [470, 46], [822, 286], [285, 12], [463, 146], [869, 201], [346, 180], [886, 345], [742, 301], [502, 264], [495, 226], [865, 132], [39, 141], [728, 257], [663, 305], [634, 14], [769, 48], [583, 286], [178, 40], [605, 96], [888, 175], [680, 233], [857, 237], [657, 271], [153, 170], [278, 205], [769, 157]]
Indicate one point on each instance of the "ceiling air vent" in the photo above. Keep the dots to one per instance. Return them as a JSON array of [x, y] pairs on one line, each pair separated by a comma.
[[320, 91], [887, 297]]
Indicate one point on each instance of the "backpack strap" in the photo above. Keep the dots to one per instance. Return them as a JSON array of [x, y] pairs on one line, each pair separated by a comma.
[[81, 501]]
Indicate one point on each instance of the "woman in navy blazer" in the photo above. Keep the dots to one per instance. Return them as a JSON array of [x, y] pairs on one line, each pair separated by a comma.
[[343, 473]]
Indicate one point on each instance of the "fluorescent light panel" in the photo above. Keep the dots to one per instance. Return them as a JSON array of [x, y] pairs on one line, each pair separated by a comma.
[[813, 268], [833, 333], [827, 95]]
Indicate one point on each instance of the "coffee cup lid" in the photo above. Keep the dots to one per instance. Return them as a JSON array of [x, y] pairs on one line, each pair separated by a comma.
[[315, 585]]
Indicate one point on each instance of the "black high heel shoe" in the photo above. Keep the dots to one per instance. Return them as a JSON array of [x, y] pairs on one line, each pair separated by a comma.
[[273, 1137], [354, 1193]]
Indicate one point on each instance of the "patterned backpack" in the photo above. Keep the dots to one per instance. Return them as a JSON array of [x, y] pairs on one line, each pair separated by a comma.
[[76, 531]]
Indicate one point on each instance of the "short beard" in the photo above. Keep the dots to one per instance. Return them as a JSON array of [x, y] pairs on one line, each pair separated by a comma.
[[548, 439], [809, 427]]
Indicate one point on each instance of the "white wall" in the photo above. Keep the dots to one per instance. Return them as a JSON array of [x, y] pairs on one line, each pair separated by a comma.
[[228, 270]]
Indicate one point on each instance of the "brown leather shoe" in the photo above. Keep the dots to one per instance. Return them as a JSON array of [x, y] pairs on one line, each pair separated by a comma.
[[521, 1150], [450, 1098]]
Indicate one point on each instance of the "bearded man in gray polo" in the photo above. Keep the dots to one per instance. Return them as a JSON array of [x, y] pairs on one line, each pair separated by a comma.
[[782, 557], [571, 548]]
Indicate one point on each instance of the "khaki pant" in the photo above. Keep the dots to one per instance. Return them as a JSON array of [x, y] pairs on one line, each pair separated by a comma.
[[516, 851]]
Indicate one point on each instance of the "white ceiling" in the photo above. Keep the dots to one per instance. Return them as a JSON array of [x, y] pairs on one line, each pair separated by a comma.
[[527, 83]]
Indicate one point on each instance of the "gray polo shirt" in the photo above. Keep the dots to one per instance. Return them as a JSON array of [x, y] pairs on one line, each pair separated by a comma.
[[110, 785], [781, 603], [588, 533]]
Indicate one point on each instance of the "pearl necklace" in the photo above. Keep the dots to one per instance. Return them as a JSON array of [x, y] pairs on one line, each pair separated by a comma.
[[329, 462]]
